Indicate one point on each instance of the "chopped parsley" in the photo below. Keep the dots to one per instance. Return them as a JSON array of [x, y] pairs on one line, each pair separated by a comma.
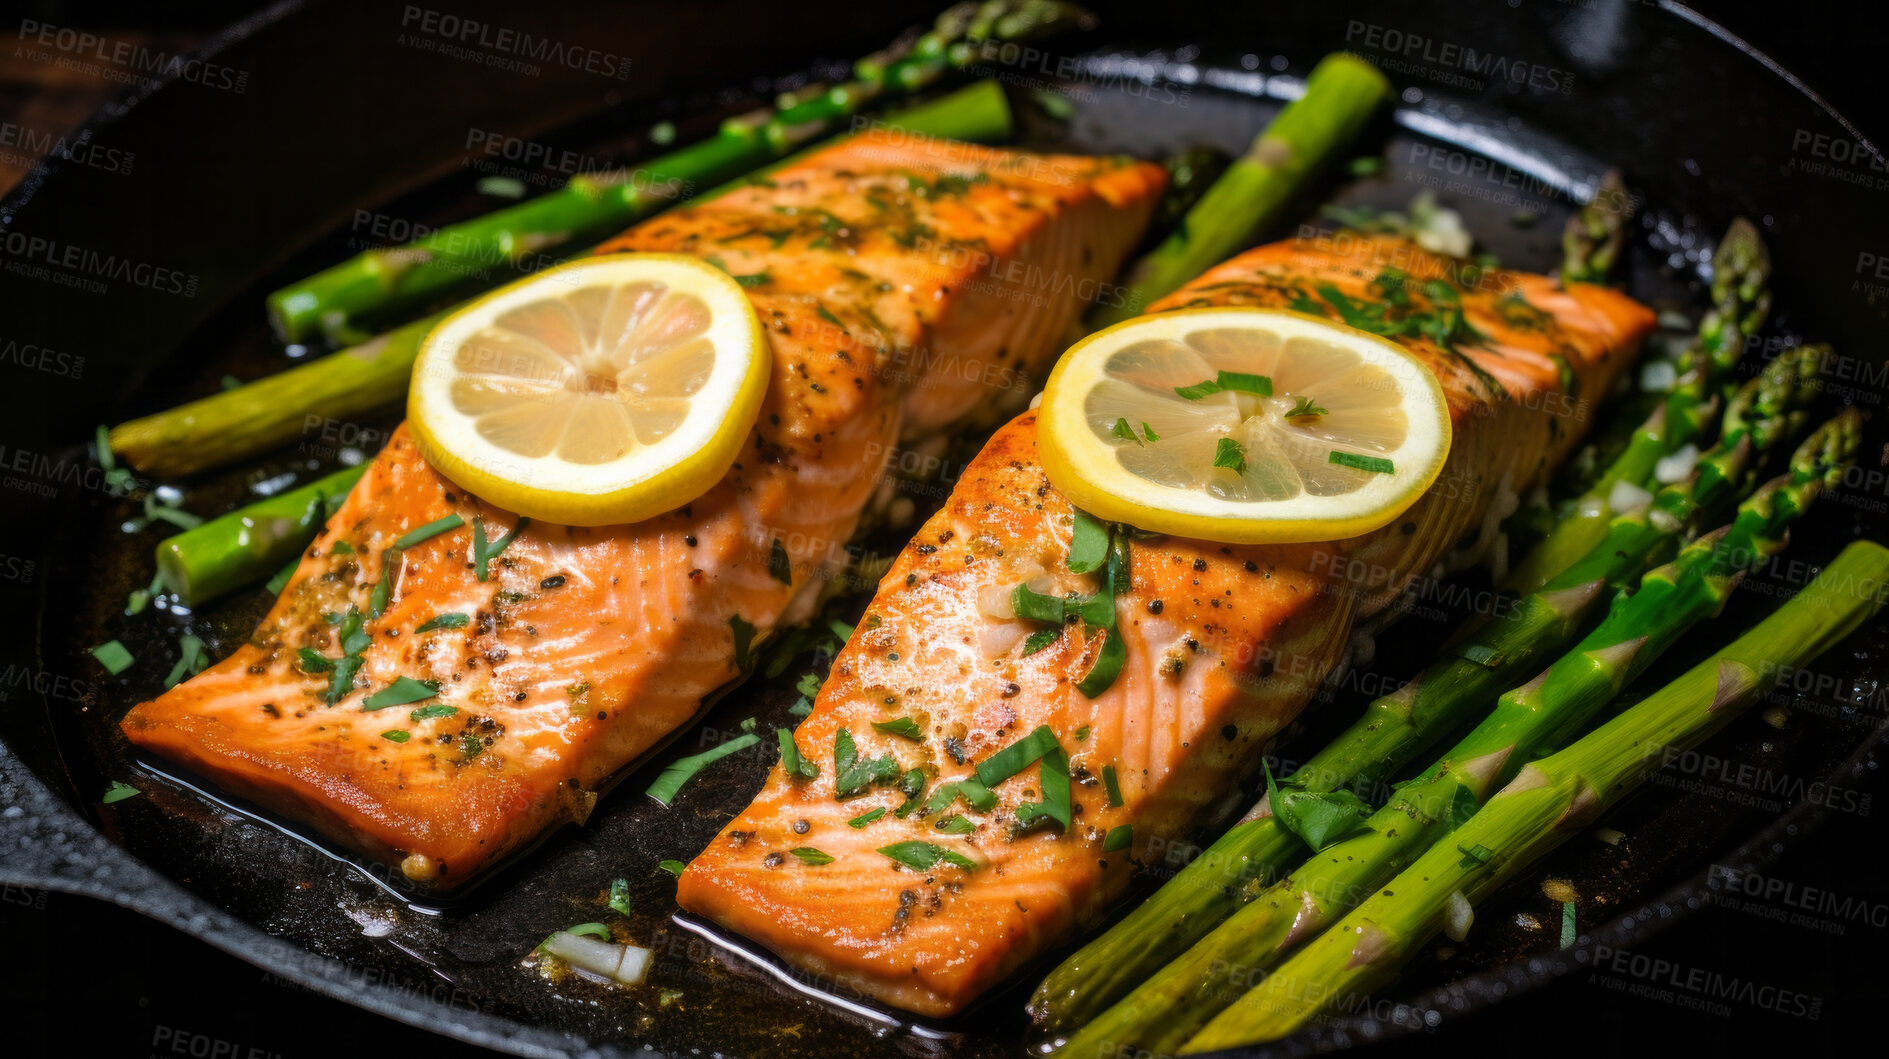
[[1305, 408], [1088, 545], [449, 620], [1222, 382], [852, 774], [1122, 430], [923, 856], [1148, 432], [402, 691], [904, 727], [1230, 454]]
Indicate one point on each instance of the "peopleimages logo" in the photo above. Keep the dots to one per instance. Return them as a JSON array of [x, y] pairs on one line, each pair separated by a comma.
[[1404, 52], [457, 32]]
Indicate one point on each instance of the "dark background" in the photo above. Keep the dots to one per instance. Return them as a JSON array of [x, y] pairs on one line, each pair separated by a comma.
[[86, 979]]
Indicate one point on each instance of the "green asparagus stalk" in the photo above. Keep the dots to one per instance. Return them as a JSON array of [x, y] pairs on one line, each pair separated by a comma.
[[1591, 243], [232, 425], [377, 286], [1168, 1004], [1655, 426], [250, 543], [1549, 801], [1341, 96]]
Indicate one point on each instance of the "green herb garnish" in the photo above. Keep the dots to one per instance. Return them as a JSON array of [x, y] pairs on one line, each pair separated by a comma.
[[113, 656], [673, 867], [904, 727], [402, 691], [1306, 408], [791, 761], [1122, 430], [1040, 639], [396, 735], [865, 818], [1119, 838], [428, 531], [852, 775], [483, 553], [449, 620], [956, 825], [1319, 818], [432, 710], [809, 855], [1359, 462], [1230, 454], [1016, 757], [682, 770], [190, 661], [620, 896], [1053, 778], [1113, 786], [118, 792], [922, 856], [744, 638], [1088, 545]]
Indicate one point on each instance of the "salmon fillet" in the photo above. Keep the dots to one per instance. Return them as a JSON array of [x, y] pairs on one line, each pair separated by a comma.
[[1225, 644], [905, 286]]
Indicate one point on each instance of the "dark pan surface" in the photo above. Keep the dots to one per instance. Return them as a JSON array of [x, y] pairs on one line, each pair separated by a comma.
[[267, 894]]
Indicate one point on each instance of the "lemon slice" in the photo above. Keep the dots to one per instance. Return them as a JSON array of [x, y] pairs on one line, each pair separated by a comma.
[[602, 391], [1242, 425]]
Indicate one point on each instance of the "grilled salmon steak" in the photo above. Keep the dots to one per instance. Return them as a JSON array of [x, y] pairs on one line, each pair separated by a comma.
[[439, 708], [946, 873]]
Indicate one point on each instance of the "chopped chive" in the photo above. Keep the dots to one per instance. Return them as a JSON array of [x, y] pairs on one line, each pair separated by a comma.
[[922, 856], [1231, 455], [1244, 383], [865, 818], [1113, 785], [113, 656], [428, 531], [432, 710], [956, 825], [1569, 927], [903, 727], [682, 770], [1040, 639], [1016, 757], [402, 691], [620, 897], [1119, 838], [314, 661], [396, 735], [1199, 390], [778, 565], [483, 553], [118, 792], [1088, 545], [1148, 432], [1360, 462], [744, 638], [590, 930], [791, 761], [1108, 665], [384, 588], [449, 620], [673, 867], [281, 579], [809, 855], [1122, 430], [190, 662]]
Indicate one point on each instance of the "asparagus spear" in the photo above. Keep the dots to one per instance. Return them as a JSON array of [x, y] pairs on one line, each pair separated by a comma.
[[1591, 243], [1666, 423], [1396, 727], [378, 285], [1537, 717], [235, 424], [252, 542], [1341, 96], [1549, 801]]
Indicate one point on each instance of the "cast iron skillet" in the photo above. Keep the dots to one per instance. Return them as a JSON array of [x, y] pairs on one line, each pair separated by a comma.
[[239, 191]]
